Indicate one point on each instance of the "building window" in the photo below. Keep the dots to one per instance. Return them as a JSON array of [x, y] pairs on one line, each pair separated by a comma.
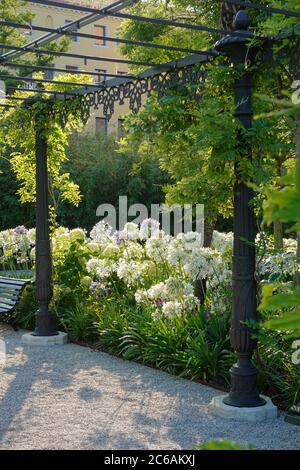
[[101, 125], [74, 38], [101, 75], [119, 72], [100, 31], [120, 128], [72, 67]]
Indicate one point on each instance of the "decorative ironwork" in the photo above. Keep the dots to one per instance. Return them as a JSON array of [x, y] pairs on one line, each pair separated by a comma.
[[229, 10], [190, 78]]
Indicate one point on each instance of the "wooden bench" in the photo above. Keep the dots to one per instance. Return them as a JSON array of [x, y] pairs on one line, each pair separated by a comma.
[[10, 293]]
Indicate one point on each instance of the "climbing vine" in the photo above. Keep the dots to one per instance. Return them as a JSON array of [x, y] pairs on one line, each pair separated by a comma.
[[18, 129]]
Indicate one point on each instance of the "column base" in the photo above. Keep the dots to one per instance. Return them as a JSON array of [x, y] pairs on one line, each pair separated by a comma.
[[253, 414], [30, 340]]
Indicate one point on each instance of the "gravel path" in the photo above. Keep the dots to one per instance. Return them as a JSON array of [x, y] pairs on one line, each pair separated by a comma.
[[69, 397]]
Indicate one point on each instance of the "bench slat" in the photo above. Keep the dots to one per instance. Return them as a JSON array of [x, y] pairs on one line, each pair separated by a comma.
[[7, 301], [14, 282], [9, 285], [4, 310], [6, 288], [10, 293]]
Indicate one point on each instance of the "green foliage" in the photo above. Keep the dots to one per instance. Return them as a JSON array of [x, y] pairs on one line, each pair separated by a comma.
[[26, 308], [278, 376], [78, 321], [284, 205], [183, 348], [196, 142], [103, 175], [68, 270], [148, 32], [223, 445], [287, 302], [10, 207], [17, 139], [16, 11]]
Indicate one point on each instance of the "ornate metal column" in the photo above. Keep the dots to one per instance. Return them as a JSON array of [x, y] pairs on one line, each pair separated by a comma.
[[244, 390], [44, 292]]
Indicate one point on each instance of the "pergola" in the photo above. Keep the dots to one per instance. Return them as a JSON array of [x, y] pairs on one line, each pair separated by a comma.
[[184, 73]]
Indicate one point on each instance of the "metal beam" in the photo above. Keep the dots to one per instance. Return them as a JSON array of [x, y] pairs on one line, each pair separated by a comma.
[[42, 80], [144, 19], [51, 92], [168, 66], [17, 98], [10, 24], [7, 106], [75, 56], [42, 68], [96, 15], [257, 6]]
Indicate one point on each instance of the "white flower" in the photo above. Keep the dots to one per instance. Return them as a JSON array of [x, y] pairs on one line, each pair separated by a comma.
[[171, 309], [101, 268], [130, 232], [290, 244], [101, 232], [158, 291], [222, 241], [149, 229], [190, 240], [175, 287], [141, 296], [77, 234], [111, 251], [31, 236], [133, 251], [202, 263], [177, 254], [149, 269], [130, 273], [278, 266], [93, 247], [156, 248]]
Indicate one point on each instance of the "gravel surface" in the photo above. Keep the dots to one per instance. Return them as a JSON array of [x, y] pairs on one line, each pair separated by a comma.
[[70, 397]]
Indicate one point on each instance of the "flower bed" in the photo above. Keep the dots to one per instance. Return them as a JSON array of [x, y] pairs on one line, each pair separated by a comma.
[[136, 293]]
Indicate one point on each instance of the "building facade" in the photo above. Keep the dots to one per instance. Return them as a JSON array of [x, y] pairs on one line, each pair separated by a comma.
[[53, 17]]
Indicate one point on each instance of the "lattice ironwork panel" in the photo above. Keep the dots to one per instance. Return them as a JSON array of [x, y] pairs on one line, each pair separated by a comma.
[[190, 78]]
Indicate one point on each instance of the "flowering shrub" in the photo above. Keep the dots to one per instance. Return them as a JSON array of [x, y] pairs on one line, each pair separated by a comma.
[[16, 247], [157, 270], [134, 292], [147, 265]]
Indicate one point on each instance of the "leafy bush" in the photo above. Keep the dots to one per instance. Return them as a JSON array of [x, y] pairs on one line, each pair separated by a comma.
[[26, 308], [103, 175]]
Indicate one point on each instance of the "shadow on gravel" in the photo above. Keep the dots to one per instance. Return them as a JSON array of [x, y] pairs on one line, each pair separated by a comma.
[[70, 397]]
